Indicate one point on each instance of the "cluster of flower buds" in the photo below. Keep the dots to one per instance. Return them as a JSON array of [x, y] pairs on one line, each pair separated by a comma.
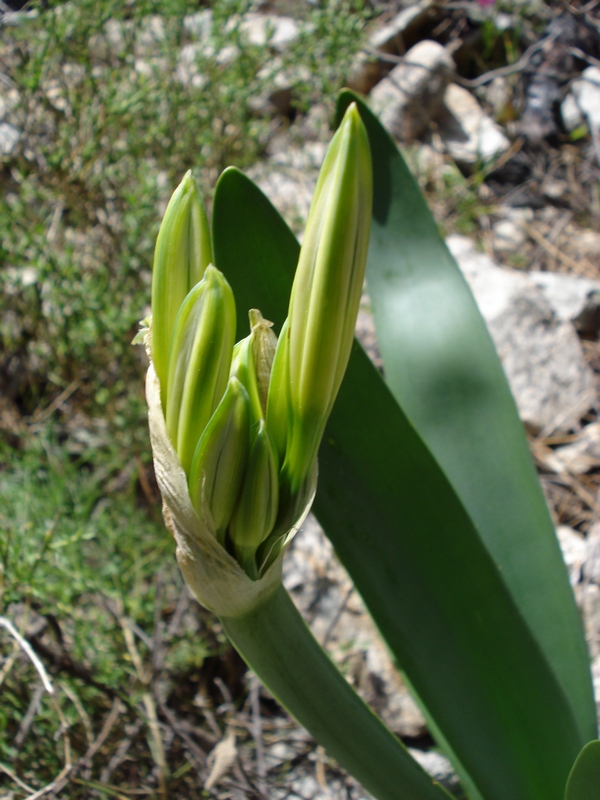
[[246, 419]]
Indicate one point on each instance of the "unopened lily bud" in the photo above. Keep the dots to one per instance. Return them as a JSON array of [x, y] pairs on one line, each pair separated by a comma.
[[326, 291], [244, 369], [278, 405], [256, 509], [183, 251], [219, 462], [199, 361], [264, 344]]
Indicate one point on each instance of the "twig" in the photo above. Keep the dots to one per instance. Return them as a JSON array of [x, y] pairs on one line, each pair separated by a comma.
[[109, 723], [34, 707], [15, 778], [336, 617], [257, 734], [584, 267], [84, 716], [156, 743], [120, 753], [196, 751], [40, 416], [26, 647]]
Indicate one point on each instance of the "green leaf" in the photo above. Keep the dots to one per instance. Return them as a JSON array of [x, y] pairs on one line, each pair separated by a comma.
[[411, 548], [584, 780], [442, 367]]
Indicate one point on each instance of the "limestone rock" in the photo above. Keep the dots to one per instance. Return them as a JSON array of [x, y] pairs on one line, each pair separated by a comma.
[[469, 135], [394, 38], [541, 354], [586, 91], [408, 98], [572, 298]]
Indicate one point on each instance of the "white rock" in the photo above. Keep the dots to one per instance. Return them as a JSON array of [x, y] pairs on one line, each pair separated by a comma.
[[390, 37], [570, 113], [149, 36], [436, 765], [467, 132], [199, 25], [591, 567], [573, 546], [572, 298], [581, 455], [412, 93], [261, 29], [586, 91], [508, 234], [9, 138], [541, 354]]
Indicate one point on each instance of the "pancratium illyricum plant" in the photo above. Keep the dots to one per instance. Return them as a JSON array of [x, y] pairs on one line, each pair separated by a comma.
[[235, 429]]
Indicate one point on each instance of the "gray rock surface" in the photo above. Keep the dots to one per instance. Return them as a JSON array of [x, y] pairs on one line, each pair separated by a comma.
[[408, 98], [572, 298], [586, 91], [394, 37], [469, 135], [541, 354]]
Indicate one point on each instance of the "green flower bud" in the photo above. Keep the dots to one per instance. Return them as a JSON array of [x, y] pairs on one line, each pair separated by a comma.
[[183, 251], [243, 368], [256, 509], [278, 404], [219, 462], [199, 361], [326, 291], [264, 344]]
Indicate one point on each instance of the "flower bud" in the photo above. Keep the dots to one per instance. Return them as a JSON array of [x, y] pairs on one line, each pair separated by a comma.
[[199, 361], [219, 462], [264, 344], [183, 251], [326, 292], [256, 509], [278, 404]]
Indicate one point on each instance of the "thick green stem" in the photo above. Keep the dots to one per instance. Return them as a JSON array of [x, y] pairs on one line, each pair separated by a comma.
[[275, 642]]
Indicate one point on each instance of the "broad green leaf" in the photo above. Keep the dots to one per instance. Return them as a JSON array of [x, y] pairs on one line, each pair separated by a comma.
[[584, 780], [411, 548], [442, 368]]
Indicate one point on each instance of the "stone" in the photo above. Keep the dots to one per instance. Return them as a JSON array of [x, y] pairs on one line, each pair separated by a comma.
[[438, 766], [541, 354], [581, 455], [392, 37], [508, 234], [199, 26], [573, 299], [9, 138], [408, 98], [591, 566], [267, 29], [586, 91], [573, 547], [570, 113], [468, 133], [149, 36], [324, 594]]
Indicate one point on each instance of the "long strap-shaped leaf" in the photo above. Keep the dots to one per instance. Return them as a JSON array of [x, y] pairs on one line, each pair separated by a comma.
[[276, 643], [442, 367], [411, 548]]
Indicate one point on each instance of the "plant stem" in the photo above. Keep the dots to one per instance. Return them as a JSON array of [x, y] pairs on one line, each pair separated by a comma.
[[275, 642]]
